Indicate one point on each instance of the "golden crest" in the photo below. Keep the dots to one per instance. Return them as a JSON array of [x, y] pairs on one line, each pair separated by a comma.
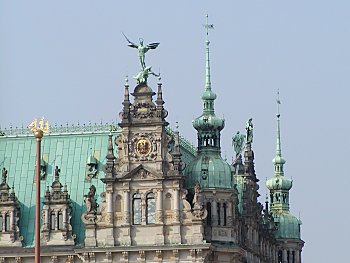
[[143, 147]]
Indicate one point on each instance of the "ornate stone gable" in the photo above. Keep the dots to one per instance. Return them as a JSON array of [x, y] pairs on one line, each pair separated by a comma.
[[56, 215], [9, 215], [141, 173]]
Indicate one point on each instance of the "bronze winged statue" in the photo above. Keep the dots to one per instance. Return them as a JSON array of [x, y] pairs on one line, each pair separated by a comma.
[[142, 49]]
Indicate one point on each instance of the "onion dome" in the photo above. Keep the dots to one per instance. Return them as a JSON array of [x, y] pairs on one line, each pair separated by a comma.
[[288, 226], [210, 171]]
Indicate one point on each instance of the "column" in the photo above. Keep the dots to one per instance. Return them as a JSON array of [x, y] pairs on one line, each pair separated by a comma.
[[284, 256], [214, 213], [64, 218], [109, 211], [297, 256], [12, 220], [222, 219], [56, 220], [176, 206], [143, 209], [47, 219], [126, 200], [159, 205], [291, 259], [229, 221]]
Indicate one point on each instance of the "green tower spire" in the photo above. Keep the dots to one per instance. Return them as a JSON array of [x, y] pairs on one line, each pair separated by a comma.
[[208, 168], [278, 185], [278, 161], [288, 226], [208, 125]]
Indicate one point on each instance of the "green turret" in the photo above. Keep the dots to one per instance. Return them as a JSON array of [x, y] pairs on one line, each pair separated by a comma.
[[209, 169], [288, 226]]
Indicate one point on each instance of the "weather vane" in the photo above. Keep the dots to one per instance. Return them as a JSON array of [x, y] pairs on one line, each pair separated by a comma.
[[208, 26], [278, 103]]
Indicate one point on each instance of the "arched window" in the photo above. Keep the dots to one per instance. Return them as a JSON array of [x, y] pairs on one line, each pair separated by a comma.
[[209, 214], [279, 256], [1, 222], [60, 220], [136, 209], [52, 220], [219, 215], [118, 204], [151, 209], [225, 214]]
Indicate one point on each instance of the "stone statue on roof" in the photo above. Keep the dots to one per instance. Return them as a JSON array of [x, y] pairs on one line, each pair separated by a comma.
[[4, 175], [237, 143], [142, 49], [143, 75], [249, 129]]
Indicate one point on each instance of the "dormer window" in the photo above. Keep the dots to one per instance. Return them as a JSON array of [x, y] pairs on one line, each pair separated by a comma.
[[9, 214], [56, 228]]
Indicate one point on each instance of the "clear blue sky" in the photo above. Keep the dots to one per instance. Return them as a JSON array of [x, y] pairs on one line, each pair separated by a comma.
[[67, 60]]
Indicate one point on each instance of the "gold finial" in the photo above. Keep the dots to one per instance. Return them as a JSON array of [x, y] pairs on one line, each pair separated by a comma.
[[39, 130]]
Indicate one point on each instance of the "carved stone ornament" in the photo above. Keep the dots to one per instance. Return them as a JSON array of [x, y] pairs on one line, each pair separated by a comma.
[[144, 147]]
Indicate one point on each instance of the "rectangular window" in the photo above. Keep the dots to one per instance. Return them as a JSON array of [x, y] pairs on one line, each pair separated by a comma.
[[7, 222], [52, 221], [60, 220], [151, 209], [225, 214], [219, 215], [136, 207]]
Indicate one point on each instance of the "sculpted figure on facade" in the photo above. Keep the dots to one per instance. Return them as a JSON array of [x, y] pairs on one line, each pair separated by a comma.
[[237, 143], [90, 201], [249, 129]]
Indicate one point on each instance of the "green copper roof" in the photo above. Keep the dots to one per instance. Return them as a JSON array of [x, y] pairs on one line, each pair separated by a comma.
[[69, 148], [288, 226], [210, 170]]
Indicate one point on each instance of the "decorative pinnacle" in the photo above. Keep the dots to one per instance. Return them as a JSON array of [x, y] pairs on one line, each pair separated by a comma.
[[176, 126], [126, 81]]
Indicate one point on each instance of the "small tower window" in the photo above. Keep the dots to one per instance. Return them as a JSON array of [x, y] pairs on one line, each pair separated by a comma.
[[52, 220], [219, 216], [136, 208], [60, 220], [7, 222], [209, 214], [151, 208], [225, 214], [279, 256]]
